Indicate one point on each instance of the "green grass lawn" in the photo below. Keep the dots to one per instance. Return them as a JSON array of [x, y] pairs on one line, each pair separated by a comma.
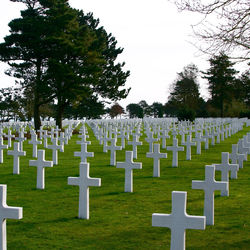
[[121, 220]]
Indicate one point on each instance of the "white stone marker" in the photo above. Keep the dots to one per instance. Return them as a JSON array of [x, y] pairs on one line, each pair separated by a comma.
[[21, 138], [178, 221], [129, 165], [34, 142], [135, 143], [209, 185], [123, 136], [113, 149], [198, 139], [156, 155], [188, 145], [40, 163], [9, 136], [2, 147], [63, 139], [242, 149], [84, 182], [175, 150], [163, 137], [16, 153], [206, 137], [7, 212], [83, 139], [225, 167], [45, 138], [54, 148], [84, 154], [150, 139], [235, 157]]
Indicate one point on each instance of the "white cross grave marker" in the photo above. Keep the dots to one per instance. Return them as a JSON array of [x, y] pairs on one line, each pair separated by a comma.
[[9, 136], [7, 212], [34, 142], [84, 182], [84, 153], [156, 155], [188, 145], [21, 138], [129, 165], [175, 150], [150, 139], [198, 139], [45, 138], [113, 149], [54, 148], [40, 163], [178, 221], [235, 157], [135, 143], [16, 152], [209, 185], [242, 149], [225, 167], [2, 146]]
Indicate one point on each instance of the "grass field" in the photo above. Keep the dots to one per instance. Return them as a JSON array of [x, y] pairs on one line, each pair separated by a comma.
[[121, 220]]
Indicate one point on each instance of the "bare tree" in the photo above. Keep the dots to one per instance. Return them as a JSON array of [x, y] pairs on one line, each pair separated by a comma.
[[225, 26]]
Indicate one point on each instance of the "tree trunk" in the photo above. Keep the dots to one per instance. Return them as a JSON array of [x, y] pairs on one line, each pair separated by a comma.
[[59, 112], [37, 120]]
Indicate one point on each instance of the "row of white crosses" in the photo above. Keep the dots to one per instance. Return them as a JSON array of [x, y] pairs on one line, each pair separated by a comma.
[[105, 134], [178, 221]]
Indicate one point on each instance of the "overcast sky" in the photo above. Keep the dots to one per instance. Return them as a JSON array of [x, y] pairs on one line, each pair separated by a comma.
[[155, 37]]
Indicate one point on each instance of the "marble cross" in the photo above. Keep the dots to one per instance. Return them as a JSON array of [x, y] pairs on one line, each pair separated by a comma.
[[34, 142], [113, 149], [54, 148], [188, 145], [209, 185], [135, 142], [40, 163], [9, 136], [84, 154], [175, 148], [16, 152], [84, 182], [2, 147], [225, 167], [178, 221], [129, 165], [7, 212], [156, 155]]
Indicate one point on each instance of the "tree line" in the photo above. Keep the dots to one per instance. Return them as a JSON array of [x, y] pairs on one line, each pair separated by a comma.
[[229, 94], [65, 66]]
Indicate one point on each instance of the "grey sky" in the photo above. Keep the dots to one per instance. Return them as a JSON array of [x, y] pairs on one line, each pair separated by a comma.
[[155, 37]]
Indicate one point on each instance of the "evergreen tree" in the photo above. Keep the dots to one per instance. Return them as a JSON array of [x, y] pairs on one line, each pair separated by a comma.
[[221, 81], [185, 91], [134, 110]]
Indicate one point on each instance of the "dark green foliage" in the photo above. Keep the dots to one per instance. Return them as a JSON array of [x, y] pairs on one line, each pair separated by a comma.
[[89, 108], [157, 110], [146, 108], [245, 114], [221, 80], [185, 92], [134, 110], [186, 114]]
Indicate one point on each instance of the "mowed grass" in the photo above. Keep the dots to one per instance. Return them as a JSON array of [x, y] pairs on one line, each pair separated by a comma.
[[121, 220]]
